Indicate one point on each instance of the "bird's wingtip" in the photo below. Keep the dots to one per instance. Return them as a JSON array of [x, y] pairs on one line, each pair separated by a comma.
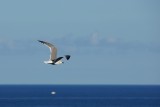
[[39, 40], [67, 57]]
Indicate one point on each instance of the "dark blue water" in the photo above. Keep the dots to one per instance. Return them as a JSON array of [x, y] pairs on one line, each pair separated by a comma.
[[79, 96]]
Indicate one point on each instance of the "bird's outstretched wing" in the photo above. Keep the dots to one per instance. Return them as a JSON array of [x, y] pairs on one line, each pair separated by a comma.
[[52, 48]]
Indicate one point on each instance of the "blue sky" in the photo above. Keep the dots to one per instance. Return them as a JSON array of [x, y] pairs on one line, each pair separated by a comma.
[[110, 41]]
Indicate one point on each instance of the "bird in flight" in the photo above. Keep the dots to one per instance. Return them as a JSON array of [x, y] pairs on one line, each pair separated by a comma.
[[53, 54]]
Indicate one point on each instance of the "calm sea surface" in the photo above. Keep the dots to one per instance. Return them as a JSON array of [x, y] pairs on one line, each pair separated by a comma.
[[79, 96]]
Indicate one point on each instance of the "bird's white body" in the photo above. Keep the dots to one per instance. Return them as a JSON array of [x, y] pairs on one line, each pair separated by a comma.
[[48, 62], [51, 62]]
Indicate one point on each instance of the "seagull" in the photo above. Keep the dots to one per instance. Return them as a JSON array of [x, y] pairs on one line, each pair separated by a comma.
[[53, 56]]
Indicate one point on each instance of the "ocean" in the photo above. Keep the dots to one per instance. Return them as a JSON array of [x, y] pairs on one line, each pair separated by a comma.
[[79, 95]]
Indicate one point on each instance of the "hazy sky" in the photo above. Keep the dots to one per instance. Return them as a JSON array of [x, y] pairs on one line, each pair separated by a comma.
[[110, 41]]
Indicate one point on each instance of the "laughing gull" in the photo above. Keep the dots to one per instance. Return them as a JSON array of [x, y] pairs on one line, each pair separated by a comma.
[[53, 56]]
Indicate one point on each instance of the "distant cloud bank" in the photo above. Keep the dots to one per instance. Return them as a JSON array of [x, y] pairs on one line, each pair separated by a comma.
[[92, 43]]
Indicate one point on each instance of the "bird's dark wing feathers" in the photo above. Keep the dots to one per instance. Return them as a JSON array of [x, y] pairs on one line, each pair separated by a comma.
[[41, 41], [67, 57], [59, 58]]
